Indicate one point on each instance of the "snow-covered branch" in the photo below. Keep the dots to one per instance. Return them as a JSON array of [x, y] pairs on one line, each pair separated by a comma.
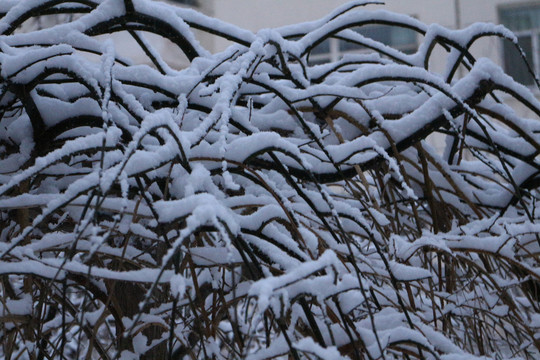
[[254, 205]]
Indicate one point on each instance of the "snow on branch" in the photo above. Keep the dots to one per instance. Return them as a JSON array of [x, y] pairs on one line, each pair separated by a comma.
[[254, 205]]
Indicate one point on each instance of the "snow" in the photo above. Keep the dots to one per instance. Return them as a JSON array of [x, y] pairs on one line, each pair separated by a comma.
[[309, 346], [280, 206]]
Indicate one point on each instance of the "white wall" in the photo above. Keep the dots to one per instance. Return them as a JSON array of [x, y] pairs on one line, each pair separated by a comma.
[[258, 14]]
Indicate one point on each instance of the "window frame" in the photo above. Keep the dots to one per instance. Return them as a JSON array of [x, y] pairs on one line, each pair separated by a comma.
[[533, 33], [185, 2], [335, 53]]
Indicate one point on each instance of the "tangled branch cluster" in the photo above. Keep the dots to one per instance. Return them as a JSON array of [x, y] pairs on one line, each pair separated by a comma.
[[255, 206]]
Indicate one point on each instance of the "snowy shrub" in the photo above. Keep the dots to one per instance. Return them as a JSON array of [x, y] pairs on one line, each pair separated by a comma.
[[256, 206]]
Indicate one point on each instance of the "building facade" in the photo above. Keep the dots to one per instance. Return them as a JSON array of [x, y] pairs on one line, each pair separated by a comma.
[[522, 17]]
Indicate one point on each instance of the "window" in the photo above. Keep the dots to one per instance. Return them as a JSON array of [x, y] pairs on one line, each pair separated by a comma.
[[525, 23], [186, 2], [399, 38]]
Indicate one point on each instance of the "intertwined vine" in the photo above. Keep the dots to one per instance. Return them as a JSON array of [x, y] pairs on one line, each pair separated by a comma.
[[253, 205]]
